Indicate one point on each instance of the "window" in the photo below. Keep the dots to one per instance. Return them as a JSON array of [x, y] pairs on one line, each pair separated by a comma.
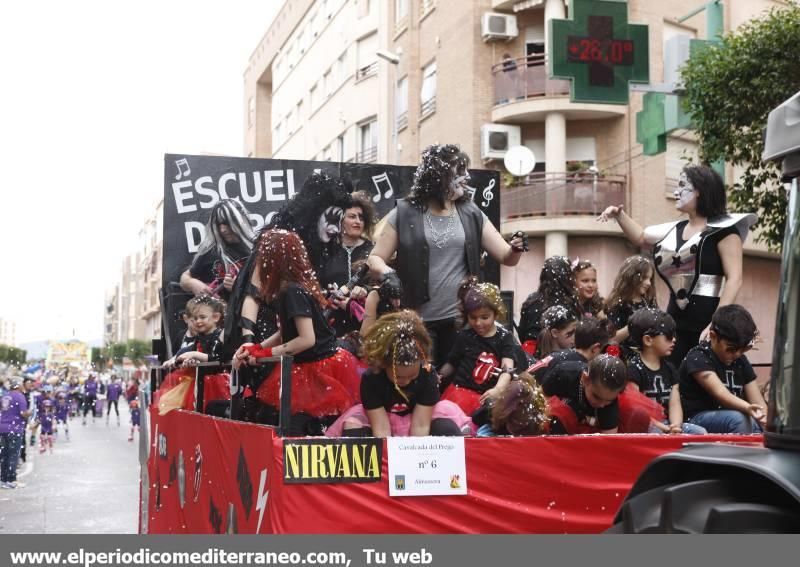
[[290, 123], [341, 68], [341, 149], [313, 95], [428, 90], [401, 104], [368, 134], [327, 83], [400, 10], [251, 111], [299, 113], [366, 58], [276, 135]]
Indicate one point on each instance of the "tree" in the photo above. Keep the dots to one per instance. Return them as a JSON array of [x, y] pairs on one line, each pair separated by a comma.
[[137, 350], [730, 89]]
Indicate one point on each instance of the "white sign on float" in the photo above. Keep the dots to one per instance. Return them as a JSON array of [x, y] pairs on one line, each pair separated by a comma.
[[427, 466]]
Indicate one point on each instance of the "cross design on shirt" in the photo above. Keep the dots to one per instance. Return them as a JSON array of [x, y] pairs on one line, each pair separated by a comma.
[[730, 383]]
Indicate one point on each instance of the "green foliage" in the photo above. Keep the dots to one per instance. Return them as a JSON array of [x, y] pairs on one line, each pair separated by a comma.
[[134, 349], [12, 355], [137, 350], [730, 89]]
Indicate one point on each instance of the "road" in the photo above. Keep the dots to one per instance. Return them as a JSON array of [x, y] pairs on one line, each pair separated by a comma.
[[89, 484]]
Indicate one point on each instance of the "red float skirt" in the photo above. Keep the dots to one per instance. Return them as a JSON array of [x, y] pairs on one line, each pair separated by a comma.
[[635, 413], [215, 387], [324, 387], [468, 400]]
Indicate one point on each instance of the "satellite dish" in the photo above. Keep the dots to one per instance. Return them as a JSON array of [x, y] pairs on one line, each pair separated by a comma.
[[519, 161]]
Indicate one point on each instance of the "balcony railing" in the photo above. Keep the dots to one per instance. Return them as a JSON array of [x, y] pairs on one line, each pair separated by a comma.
[[367, 71], [428, 107], [523, 78], [402, 121], [367, 155], [562, 194]]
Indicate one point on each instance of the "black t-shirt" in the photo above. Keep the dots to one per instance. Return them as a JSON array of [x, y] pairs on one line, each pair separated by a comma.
[[378, 391], [530, 321], [694, 398], [620, 313], [564, 382], [551, 361], [297, 302], [208, 344], [467, 350], [655, 384]]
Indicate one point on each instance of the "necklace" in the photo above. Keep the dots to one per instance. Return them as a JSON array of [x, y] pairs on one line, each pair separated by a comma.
[[349, 251], [440, 238]]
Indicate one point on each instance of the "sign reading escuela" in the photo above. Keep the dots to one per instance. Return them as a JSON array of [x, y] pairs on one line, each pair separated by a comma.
[[332, 460], [427, 466]]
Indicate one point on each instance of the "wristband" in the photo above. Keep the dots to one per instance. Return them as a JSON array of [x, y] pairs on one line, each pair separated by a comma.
[[258, 351]]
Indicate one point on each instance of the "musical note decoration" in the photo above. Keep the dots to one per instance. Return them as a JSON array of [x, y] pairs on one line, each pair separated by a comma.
[[377, 180], [488, 195], [183, 168]]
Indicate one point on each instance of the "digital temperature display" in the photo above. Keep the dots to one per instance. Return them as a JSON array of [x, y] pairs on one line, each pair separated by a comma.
[[604, 51]]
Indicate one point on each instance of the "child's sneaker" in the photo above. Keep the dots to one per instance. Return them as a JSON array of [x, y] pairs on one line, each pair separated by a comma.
[[6, 485]]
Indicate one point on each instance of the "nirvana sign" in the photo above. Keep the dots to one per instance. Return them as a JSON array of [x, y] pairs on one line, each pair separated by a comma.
[[194, 184], [332, 461]]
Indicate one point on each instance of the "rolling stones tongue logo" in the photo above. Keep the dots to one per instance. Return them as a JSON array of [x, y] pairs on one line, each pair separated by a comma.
[[484, 366]]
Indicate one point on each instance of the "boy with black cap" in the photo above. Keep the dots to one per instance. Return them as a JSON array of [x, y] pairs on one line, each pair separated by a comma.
[[717, 384]]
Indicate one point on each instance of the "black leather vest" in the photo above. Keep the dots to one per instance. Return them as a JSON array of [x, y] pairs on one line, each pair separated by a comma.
[[413, 253]]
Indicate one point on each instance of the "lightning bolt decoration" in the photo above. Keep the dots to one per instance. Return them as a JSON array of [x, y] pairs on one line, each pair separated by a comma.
[[261, 503]]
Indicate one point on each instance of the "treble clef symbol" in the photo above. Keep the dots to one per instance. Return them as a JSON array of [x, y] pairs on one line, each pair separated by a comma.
[[487, 194]]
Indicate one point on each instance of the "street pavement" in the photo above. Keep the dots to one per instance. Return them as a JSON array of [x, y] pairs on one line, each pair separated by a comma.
[[89, 484]]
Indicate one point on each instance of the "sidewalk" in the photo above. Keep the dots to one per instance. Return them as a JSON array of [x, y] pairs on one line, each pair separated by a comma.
[[90, 484]]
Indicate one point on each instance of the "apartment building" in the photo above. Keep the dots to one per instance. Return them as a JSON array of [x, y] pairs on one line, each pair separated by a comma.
[[132, 307], [378, 80], [8, 332]]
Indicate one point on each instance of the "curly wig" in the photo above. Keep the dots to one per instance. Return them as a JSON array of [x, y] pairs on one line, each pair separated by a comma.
[[364, 202], [398, 338], [302, 212], [434, 173], [282, 258]]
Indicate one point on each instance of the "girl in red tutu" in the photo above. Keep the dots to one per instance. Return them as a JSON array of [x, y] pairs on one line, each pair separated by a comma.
[[325, 379], [479, 349], [400, 392], [597, 400]]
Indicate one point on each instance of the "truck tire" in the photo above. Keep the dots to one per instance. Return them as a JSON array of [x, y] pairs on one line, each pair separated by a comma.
[[708, 506]]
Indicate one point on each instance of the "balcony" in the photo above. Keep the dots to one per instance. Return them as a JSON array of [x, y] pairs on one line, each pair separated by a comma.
[[561, 195], [367, 71], [367, 155], [524, 93]]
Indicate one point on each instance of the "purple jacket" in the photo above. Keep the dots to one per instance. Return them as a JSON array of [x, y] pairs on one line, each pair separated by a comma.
[[12, 404]]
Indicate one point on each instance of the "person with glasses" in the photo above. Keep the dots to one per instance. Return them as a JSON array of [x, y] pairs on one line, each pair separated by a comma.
[[652, 333], [698, 257], [717, 384]]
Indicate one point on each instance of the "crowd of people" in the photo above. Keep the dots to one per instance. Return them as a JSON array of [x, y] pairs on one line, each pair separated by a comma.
[[44, 405], [392, 330]]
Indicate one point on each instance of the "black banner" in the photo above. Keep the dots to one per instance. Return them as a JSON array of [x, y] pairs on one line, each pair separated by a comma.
[[332, 460], [194, 184]]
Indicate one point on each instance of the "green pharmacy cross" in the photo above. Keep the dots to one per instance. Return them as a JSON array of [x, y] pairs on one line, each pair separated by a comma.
[[600, 51]]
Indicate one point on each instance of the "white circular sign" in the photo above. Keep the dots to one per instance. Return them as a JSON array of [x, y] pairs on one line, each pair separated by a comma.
[[519, 161]]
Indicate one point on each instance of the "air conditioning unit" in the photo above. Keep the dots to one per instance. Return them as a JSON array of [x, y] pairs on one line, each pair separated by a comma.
[[498, 26], [496, 139]]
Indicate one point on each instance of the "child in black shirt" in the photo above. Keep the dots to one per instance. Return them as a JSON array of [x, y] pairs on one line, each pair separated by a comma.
[[520, 410], [591, 337], [479, 349], [325, 378], [717, 384], [400, 392], [633, 289], [652, 332]]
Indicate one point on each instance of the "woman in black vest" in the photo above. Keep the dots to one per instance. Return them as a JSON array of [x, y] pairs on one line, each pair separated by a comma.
[[438, 234], [694, 256]]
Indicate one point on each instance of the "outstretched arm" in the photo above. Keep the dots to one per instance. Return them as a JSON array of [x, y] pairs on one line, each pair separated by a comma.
[[629, 227]]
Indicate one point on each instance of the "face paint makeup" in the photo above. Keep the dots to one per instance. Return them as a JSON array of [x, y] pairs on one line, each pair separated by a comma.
[[458, 184], [329, 224], [685, 192]]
